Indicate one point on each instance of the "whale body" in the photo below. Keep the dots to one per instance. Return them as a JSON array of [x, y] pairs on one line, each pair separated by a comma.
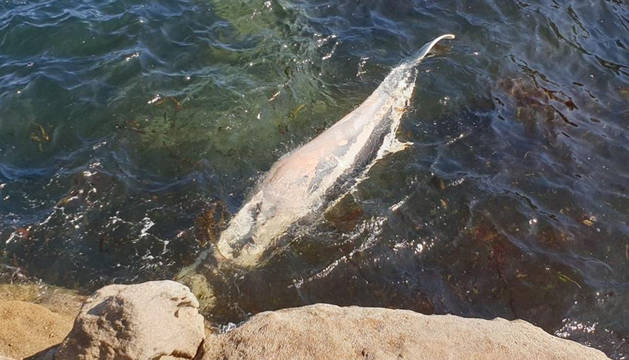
[[300, 185]]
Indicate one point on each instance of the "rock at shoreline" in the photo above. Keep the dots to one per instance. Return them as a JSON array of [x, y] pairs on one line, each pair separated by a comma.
[[159, 320], [152, 320], [26, 328], [328, 332]]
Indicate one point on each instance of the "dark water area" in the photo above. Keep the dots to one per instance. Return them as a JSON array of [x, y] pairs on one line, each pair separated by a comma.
[[130, 131]]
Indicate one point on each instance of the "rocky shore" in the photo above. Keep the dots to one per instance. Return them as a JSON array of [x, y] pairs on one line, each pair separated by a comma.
[[160, 320]]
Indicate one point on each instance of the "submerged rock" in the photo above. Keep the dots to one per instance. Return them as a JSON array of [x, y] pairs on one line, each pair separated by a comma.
[[152, 320], [331, 332]]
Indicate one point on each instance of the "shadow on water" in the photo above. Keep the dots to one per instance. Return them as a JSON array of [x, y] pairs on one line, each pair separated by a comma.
[[131, 130]]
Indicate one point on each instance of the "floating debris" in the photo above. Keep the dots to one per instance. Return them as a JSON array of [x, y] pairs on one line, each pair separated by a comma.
[[170, 99], [39, 136], [438, 183], [155, 99], [274, 96], [566, 278], [589, 221], [293, 114]]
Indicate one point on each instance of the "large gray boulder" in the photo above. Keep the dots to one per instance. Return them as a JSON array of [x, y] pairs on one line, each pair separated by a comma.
[[152, 320], [327, 332]]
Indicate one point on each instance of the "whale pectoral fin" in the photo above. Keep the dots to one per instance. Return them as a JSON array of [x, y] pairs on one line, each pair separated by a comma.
[[392, 145], [397, 145]]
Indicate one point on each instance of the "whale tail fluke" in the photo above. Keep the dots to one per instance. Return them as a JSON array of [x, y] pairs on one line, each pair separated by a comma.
[[421, 54]]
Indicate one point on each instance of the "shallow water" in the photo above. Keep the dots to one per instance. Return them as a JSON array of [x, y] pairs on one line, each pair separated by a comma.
[[128, 129]]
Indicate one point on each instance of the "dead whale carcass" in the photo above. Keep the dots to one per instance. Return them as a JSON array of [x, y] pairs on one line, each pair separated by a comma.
[[300, 185]]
